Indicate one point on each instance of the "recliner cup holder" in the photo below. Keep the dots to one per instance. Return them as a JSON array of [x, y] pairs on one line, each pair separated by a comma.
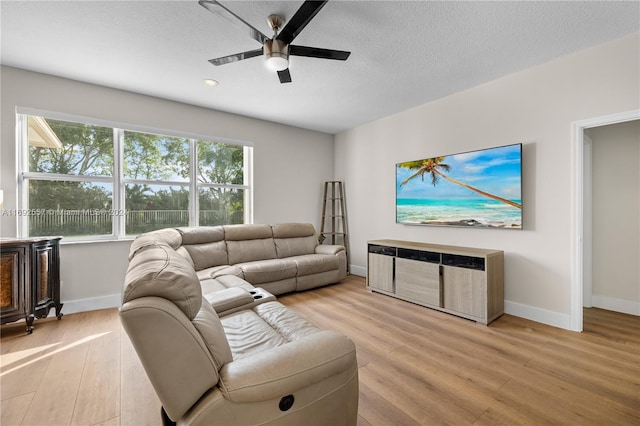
[[252, 292], [257, 296]]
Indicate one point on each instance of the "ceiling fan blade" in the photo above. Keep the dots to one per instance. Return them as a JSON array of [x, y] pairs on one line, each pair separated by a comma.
[[316, 52], [236, 57], [284, 76], [218, 9], [300, 20]]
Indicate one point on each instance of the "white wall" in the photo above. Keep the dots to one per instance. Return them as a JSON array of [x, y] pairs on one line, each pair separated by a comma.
[[282, 192], [616, 216], [535, 107]]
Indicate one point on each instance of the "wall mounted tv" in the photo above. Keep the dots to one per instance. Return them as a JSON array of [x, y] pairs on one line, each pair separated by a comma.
[[475, 189]]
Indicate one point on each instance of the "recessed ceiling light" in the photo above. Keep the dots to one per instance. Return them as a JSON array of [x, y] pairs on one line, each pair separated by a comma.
[[210, 82]]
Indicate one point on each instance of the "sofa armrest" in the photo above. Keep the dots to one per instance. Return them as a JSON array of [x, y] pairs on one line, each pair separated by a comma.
[[329, 249], [174, 355], [224, 300], [283, 370]]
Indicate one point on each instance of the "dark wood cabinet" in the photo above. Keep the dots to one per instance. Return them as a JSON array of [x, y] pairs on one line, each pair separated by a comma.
[[29, 279]]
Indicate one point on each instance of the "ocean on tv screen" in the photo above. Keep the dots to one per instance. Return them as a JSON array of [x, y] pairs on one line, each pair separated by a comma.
[[462, 212]]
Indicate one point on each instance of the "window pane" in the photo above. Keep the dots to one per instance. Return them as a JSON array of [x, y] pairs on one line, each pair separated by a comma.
[[71, 209], [220, 163], [151, 207], [69, 148], [155, 157], [220, 206]]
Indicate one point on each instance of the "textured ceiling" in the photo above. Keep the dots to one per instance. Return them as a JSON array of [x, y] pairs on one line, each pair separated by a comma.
[[403, 53]]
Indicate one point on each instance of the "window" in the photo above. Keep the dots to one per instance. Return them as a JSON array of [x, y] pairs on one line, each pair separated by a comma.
[[220, 183], [156, 182], [87, 181]]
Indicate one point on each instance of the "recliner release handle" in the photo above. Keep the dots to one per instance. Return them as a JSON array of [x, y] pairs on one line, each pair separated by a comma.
[[286, 402]]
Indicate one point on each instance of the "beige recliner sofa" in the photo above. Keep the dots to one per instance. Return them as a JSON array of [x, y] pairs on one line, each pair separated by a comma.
[[262, 365], [278, 258]]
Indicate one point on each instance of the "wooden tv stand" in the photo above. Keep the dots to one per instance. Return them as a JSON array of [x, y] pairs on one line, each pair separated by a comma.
[[463, 281]]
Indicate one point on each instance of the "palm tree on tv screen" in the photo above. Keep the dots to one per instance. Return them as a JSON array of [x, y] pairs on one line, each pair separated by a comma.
[[432, 166]]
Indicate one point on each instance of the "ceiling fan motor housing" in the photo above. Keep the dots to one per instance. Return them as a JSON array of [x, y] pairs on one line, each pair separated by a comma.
[[276, 54]]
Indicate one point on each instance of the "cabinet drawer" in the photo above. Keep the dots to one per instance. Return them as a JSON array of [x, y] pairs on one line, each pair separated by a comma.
[[382, 250], [419, 255], [418, 281], [460, 261]]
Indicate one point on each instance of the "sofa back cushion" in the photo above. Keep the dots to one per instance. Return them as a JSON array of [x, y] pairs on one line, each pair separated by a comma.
[[157, 270], [167, 236], [294, 239], [246, 243], [205, 245]]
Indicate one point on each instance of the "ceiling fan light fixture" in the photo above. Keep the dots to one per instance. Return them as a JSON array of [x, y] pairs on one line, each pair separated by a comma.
[[276, 54]]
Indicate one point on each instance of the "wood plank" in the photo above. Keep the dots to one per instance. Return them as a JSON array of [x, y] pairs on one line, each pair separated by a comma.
[[13, 410], [55, 397], [98, 397]]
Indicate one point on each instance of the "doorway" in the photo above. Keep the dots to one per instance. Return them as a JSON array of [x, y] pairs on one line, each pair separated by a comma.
[[582, 243]]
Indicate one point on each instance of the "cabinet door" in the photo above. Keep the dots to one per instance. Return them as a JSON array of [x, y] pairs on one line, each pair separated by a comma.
[[13, 271], [465, 291], [380, 272], [418, 281], [42, 288]]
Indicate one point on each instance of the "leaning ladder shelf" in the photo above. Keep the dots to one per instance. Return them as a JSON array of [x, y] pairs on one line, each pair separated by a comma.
[[334, 216]]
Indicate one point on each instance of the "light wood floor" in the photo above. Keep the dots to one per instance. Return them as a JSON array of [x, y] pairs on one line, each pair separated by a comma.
[[416, 366]]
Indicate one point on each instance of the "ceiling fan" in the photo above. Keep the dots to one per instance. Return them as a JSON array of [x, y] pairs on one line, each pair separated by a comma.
[[277, 49]]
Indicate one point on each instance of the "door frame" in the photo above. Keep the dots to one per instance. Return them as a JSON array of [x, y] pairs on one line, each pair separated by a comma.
[[578, 181]]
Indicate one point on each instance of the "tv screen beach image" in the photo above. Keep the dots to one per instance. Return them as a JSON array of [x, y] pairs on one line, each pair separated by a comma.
[[478, 188]]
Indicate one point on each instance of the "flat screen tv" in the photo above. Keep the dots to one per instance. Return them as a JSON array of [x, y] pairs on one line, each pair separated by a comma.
[[475, 189]]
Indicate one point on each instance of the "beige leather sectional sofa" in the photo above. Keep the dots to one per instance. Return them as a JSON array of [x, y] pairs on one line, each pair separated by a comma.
[[219, 350], [279, 258]]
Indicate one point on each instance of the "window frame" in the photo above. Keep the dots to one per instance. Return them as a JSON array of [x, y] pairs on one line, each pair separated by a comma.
[[118, 180]]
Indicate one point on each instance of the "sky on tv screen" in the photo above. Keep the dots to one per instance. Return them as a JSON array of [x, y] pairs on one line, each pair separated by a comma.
[[495, 170]]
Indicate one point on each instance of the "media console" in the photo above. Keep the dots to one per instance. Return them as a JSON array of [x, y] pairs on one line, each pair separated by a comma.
[[463, 281]]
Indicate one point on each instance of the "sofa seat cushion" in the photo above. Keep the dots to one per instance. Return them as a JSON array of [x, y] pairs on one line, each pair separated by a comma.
[[230, 281], [266, 326], [285, 321], [219, 271], [211, 286], [247, 334], [310, 264], [264, 271]]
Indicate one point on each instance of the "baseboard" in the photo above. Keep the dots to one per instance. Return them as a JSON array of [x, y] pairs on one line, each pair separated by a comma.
[[93, 304], [360, 271], [555, 319], [618, 305]]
